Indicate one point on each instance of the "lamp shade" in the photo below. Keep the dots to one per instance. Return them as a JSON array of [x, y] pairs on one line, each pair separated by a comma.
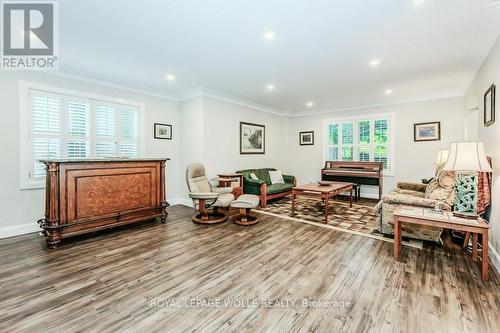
[[467, 156], [442, 156]]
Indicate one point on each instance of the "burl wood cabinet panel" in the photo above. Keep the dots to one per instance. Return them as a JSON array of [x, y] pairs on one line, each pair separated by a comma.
[[89, 195]]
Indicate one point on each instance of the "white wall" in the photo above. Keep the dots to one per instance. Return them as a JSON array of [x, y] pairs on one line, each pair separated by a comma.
[[222, 138], [210, 129], [25, 207], [191, 119], [413, 160], [489, 74]]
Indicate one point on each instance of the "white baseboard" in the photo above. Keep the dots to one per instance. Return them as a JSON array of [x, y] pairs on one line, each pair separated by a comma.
[[495, 257], [18, 230], [181, 201]]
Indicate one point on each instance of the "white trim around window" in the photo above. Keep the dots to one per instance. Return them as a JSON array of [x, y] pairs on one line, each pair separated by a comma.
[[27, 181], [391, 117]]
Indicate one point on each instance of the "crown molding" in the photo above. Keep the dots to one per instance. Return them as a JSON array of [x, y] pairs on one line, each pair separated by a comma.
[[206, 92], [71, 73], [67, 72], [370, 106]]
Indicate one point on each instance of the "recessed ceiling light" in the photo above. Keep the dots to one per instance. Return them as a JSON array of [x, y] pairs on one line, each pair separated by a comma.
[[310, 104], [389, 91], [418, 2], [170, 77], [375, 62], [270, 87], [269, 35]]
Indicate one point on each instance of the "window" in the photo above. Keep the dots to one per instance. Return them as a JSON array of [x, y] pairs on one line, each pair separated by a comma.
[[365, 139], [63, 124]]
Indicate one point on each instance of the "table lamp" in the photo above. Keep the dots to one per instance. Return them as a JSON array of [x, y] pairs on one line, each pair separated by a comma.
[[467, 159], [442, 156]]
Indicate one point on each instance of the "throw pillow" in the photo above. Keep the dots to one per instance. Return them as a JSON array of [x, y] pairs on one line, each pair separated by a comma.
[[276, 177], [254, 176]]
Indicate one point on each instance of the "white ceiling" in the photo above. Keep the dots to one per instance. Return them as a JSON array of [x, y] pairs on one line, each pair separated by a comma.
[[321, 50]]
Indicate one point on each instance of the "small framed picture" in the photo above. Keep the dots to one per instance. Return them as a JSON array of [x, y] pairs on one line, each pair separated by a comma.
[[427, 131], [489, 106], [306, 138], [163, 131]]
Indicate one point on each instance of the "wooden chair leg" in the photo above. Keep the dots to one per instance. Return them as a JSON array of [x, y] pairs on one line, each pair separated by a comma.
[[203, 210], [245, 218], [205, 217]]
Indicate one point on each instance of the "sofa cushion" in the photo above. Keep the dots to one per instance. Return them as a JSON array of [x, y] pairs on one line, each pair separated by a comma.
[[408, 192], [276, 177], [441, 187], [279, 188]]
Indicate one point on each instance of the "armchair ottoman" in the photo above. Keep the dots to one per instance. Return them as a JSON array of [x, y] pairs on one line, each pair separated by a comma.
[[245, 203]]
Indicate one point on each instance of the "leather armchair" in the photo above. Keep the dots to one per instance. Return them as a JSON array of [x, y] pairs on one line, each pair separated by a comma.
[[205, 196]]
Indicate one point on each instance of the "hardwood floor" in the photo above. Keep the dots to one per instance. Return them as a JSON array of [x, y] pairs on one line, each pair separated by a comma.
[[112, 281]]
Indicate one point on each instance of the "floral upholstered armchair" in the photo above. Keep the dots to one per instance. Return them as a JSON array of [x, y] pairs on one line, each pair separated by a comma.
[[439, 191]]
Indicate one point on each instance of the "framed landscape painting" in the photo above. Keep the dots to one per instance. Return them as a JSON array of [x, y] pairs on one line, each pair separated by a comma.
[[427, 131], [306, 138], [489, 106], [252, 138]]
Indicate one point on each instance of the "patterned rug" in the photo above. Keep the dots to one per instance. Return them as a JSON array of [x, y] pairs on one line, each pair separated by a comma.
[[361, 219]]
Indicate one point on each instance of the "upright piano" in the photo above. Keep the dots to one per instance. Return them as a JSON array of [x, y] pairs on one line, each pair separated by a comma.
[[361, 173]]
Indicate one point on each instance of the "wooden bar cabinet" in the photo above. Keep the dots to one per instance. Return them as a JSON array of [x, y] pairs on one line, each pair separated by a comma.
[[93, 194]]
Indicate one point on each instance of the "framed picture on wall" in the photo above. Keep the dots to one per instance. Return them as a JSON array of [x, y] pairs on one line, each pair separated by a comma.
[[489, 106], [427, 131], [306, 138], [252, 138], [163, 131]]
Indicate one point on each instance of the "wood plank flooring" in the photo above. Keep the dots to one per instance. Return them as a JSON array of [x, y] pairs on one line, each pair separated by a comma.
[[122, 280]]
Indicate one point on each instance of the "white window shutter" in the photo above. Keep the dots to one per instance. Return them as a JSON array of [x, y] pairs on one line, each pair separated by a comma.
[[46, 113], [45, 136], [129, 145], [67, 126], [78, 145], [105, 121], [105, 130]]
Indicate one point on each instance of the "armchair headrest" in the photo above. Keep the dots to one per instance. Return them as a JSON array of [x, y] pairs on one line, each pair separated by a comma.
[[195, 170], [196, 178]]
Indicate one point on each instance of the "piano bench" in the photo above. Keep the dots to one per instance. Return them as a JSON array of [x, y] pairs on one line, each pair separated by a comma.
[[357, 191]]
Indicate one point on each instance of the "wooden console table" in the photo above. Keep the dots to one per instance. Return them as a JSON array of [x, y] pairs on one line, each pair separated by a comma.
[[84, 195], [423, 216]]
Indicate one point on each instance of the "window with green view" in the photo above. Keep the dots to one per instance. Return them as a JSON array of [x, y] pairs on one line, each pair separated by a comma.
[[364, 140]]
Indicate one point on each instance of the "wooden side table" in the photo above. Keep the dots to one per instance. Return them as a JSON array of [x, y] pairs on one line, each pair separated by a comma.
[[424, 216], [227, 180]]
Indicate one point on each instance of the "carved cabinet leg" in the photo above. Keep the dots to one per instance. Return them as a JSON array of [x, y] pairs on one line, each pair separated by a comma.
[[54, 238], [164, 213]]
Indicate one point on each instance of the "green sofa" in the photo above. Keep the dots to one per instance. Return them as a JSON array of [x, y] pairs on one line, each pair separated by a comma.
[[263, 187]]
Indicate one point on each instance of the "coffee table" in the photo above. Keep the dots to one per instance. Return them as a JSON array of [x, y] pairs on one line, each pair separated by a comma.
[[325, 193]]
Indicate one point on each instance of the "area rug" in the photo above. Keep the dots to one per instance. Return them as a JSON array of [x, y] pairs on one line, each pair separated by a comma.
[[360, 219]]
